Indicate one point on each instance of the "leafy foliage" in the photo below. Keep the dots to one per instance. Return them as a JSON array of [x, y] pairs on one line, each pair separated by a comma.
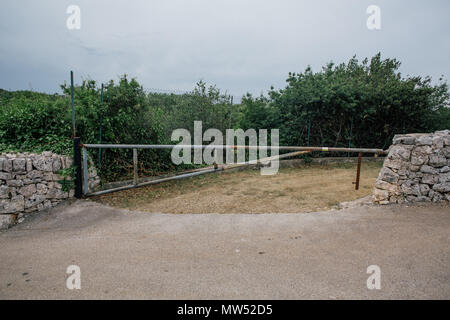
[[353, 104], [31, 121], [206, 104]]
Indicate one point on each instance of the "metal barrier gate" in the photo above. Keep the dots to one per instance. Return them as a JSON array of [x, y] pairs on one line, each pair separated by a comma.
[[82, 173]]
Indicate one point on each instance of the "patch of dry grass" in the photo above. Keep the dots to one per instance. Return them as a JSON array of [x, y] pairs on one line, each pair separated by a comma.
[[305, 189]]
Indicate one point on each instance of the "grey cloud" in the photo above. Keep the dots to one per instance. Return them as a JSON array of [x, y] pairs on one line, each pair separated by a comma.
[[239, 45]]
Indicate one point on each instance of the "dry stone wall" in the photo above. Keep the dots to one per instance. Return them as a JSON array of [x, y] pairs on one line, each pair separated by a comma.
[[31, 182], [417, 169]]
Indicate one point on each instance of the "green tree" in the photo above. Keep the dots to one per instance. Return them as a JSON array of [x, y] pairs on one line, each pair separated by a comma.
[[371, 97]]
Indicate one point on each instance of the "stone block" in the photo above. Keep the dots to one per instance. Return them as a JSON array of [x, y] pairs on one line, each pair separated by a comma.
[[56, 165], [393, 164], [13, 205], [445, 169], [421, 150], [410, 189], [7, 165], [43, 163], [404, 139], [29, 165], [18, 202], [5, 176], [418, 160], [423, 199], [400, 152], [34, 174], [47, 204], [6, 220], [57, 177], [438, 142], [446, 152], [437, 160], [446, 140], [425, 140], [4, 192], [34, 200], [47, 176], [388, 175], [27, 191], [19, 165], [429, 169], [380, 195], [430, 178], [15, 183], [56, 194], [444, 177], [391, 188], [41, 188], [424, 189], [442, 187], [437, 197]]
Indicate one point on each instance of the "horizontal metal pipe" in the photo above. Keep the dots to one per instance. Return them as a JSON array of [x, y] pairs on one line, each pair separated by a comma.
[[178, 146], [252, 162], [282, 156], [181, 176], [197, 172]]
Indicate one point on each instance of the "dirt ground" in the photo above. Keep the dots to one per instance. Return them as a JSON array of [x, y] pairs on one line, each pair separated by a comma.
[[293, 190]]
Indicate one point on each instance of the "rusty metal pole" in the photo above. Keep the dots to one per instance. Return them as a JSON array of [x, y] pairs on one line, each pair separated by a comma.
[[216, 165], [358, 171]]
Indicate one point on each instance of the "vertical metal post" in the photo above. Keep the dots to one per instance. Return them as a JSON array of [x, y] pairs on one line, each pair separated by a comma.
[[309, 129], [77, 163], [100, 134], [231, 113], [358, 171], [216, 165], [135, 167], [73, 108], [85, 172]]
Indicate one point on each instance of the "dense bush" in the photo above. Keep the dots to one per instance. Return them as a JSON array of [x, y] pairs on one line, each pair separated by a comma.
[[35, 122], [357, 104], [32, 121], [206, 104]]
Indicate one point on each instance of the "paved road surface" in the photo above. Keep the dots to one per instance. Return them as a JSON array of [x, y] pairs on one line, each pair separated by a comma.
[[324, 255]]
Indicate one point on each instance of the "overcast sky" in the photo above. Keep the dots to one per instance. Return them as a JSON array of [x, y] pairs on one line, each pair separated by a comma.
[[239, 45]]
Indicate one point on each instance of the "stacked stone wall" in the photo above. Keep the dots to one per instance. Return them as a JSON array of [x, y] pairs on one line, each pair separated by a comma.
[[417, 169], [32, 182]]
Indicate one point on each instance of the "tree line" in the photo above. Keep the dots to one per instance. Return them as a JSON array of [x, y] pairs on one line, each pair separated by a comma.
[[357, 104]]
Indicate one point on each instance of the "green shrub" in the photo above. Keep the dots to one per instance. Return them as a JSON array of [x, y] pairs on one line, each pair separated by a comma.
[[31, 121], [358, 104]]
